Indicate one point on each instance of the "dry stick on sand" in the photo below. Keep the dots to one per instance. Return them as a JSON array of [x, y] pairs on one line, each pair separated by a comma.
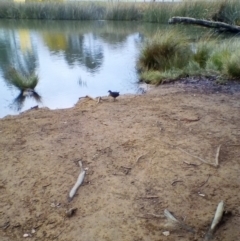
[[151, 216], [202, 160], [173, 220], [216, 220], [192, 164], [149, 197], [174, 182], [205, 181], [78, 183], [140, 157]]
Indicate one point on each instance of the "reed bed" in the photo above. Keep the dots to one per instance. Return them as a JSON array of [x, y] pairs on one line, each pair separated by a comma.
[[52, 11], [159, 12]]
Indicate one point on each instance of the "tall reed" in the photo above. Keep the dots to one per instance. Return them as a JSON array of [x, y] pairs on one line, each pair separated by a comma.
[[160, 12]]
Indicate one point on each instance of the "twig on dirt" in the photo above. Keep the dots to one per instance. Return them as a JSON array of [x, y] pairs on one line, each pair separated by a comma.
[[217, 156], [118, 174], [150, 216], [156, 215], [190, 120], [192, 164], [149, 197], [173, 220], [174, 182], [140, 157], [193, 156], [170, 217], [201, 194], [202, 160], [55, 237], [78, 183], [205, 181], [5, 225], [216, 220], [144, 217], [126, 167]]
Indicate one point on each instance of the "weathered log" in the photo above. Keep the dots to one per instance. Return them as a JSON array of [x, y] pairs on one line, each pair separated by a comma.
[[223, 27]]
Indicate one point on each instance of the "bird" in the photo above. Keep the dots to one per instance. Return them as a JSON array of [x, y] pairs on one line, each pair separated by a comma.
[[113, 94]]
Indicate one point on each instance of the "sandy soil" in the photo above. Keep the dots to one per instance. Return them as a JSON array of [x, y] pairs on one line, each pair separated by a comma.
[[142, 157]]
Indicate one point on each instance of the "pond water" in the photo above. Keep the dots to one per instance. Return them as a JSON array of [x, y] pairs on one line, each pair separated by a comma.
[[72, 59]]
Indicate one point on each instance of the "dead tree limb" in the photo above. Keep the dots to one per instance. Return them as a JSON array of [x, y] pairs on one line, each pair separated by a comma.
[[223, 27]]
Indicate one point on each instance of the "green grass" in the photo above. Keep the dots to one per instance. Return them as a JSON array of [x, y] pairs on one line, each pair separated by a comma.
[[166, 49], [233, 66], [160, 12], [20, 81], [170, 56]]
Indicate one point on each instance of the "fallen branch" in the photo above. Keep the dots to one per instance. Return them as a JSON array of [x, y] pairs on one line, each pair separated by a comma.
[[78, 183], [202, 160], [224, 27], [216, 220]]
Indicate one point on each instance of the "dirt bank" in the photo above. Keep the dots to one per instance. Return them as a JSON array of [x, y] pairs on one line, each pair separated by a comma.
[[141, 158]]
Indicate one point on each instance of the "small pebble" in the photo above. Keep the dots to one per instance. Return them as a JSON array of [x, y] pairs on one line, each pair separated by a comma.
[[166, 233]]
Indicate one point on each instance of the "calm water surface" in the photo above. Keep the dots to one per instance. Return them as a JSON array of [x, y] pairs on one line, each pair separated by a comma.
[[71, 58]]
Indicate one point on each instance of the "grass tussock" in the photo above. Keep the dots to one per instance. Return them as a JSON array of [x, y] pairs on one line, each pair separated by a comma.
[[168, 57], [165, 50], [158, 12], [233, 66], [20, 81]]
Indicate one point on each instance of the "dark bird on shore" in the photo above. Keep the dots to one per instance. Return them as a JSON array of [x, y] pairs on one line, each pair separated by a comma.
[[113, 94]]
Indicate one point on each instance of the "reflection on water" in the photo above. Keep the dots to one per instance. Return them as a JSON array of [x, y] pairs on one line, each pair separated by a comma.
[[71, 58], [18, 102]]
